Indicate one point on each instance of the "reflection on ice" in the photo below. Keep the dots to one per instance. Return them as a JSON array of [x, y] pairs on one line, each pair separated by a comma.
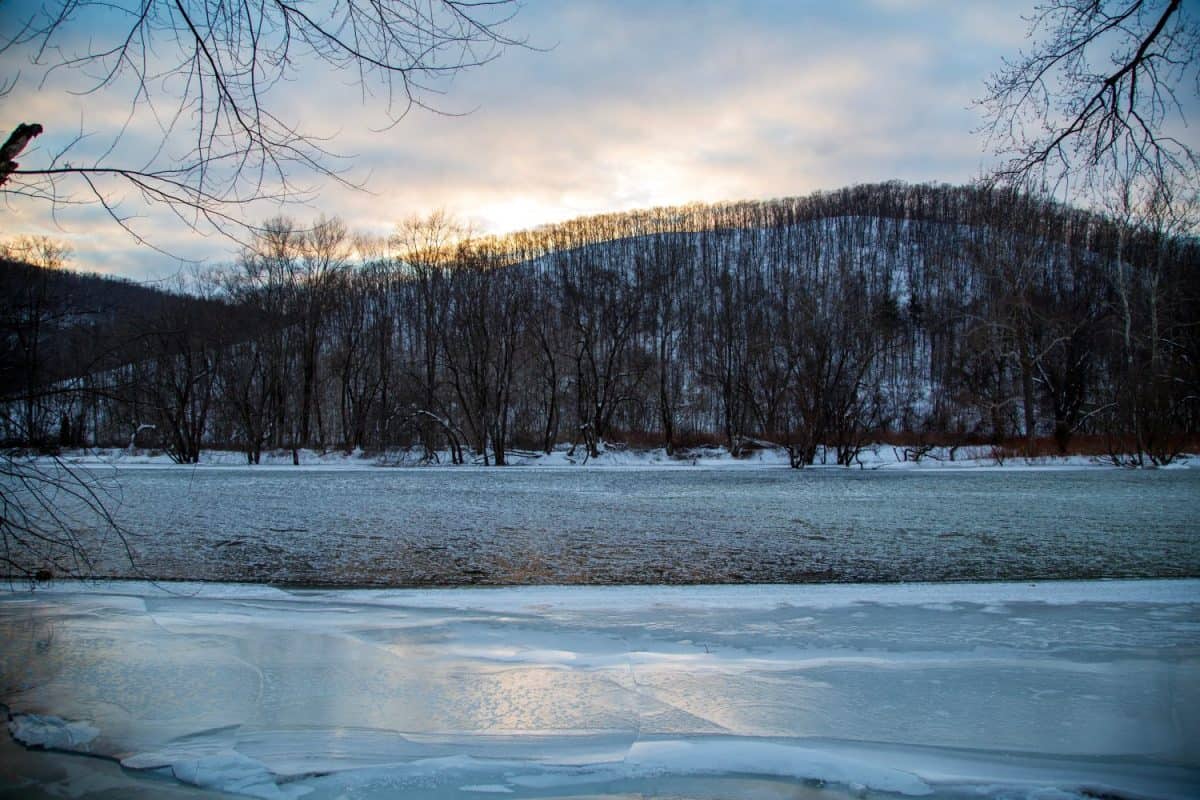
[[992, 688]]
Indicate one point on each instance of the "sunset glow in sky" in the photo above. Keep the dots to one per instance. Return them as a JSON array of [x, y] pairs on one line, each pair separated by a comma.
[[625, 105]]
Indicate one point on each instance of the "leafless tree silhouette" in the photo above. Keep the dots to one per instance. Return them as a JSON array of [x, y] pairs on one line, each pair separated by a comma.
[[1096, 97], [206, 79], [210, 75]]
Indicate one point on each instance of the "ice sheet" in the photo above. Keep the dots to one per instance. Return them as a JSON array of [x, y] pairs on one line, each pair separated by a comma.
[[561, 691]]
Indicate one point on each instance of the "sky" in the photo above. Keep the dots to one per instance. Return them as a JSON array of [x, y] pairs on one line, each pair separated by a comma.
[[616, 105]]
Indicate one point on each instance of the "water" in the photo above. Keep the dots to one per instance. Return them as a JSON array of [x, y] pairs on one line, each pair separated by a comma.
[[962, 690], [503, 526]]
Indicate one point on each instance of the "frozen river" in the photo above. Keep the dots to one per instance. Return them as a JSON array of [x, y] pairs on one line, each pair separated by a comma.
[[1007, 691], [411, 527]]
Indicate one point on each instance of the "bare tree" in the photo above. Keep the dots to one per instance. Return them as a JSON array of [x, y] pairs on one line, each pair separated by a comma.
[[209, 79], [427, 249], [47, 506], [481, 339], [29, 312], [1100, 89]]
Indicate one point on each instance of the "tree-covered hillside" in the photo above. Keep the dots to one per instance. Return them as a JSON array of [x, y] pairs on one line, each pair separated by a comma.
[[928, 313]]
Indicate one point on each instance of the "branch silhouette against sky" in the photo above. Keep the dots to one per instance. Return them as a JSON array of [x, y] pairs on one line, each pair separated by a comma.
[[195, 101]]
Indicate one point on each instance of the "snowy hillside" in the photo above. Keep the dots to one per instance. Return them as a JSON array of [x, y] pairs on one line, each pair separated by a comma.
[[924, 315]]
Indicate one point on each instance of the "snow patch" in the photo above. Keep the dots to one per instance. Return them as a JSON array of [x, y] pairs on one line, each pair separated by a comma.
[[487, 788], [768, 758], [52, 733], [993, 597], [226, 771], [875, 456]]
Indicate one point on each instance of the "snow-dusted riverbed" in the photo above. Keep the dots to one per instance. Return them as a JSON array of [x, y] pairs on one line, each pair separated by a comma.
[[963, 690]]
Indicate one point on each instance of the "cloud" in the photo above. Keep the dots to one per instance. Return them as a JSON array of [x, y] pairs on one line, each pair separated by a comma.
[[639, 104]]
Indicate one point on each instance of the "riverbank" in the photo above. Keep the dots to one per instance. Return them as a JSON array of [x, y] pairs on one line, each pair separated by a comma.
[[877, 456]]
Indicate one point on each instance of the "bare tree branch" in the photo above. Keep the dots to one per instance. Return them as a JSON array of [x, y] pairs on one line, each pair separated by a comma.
[[211, 79], [1093, 102]]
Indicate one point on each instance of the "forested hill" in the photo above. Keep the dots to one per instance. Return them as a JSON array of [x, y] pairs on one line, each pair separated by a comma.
[[60, 324], [819, 323]]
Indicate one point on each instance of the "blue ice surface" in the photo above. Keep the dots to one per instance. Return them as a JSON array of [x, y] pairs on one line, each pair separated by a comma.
[[999, 690]]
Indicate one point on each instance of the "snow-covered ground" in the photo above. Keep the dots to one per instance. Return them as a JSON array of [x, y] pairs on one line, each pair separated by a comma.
[[1043, 691], [880, 456]]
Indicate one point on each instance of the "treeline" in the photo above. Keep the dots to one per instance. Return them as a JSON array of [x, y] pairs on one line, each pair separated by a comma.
[[819, 324]]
